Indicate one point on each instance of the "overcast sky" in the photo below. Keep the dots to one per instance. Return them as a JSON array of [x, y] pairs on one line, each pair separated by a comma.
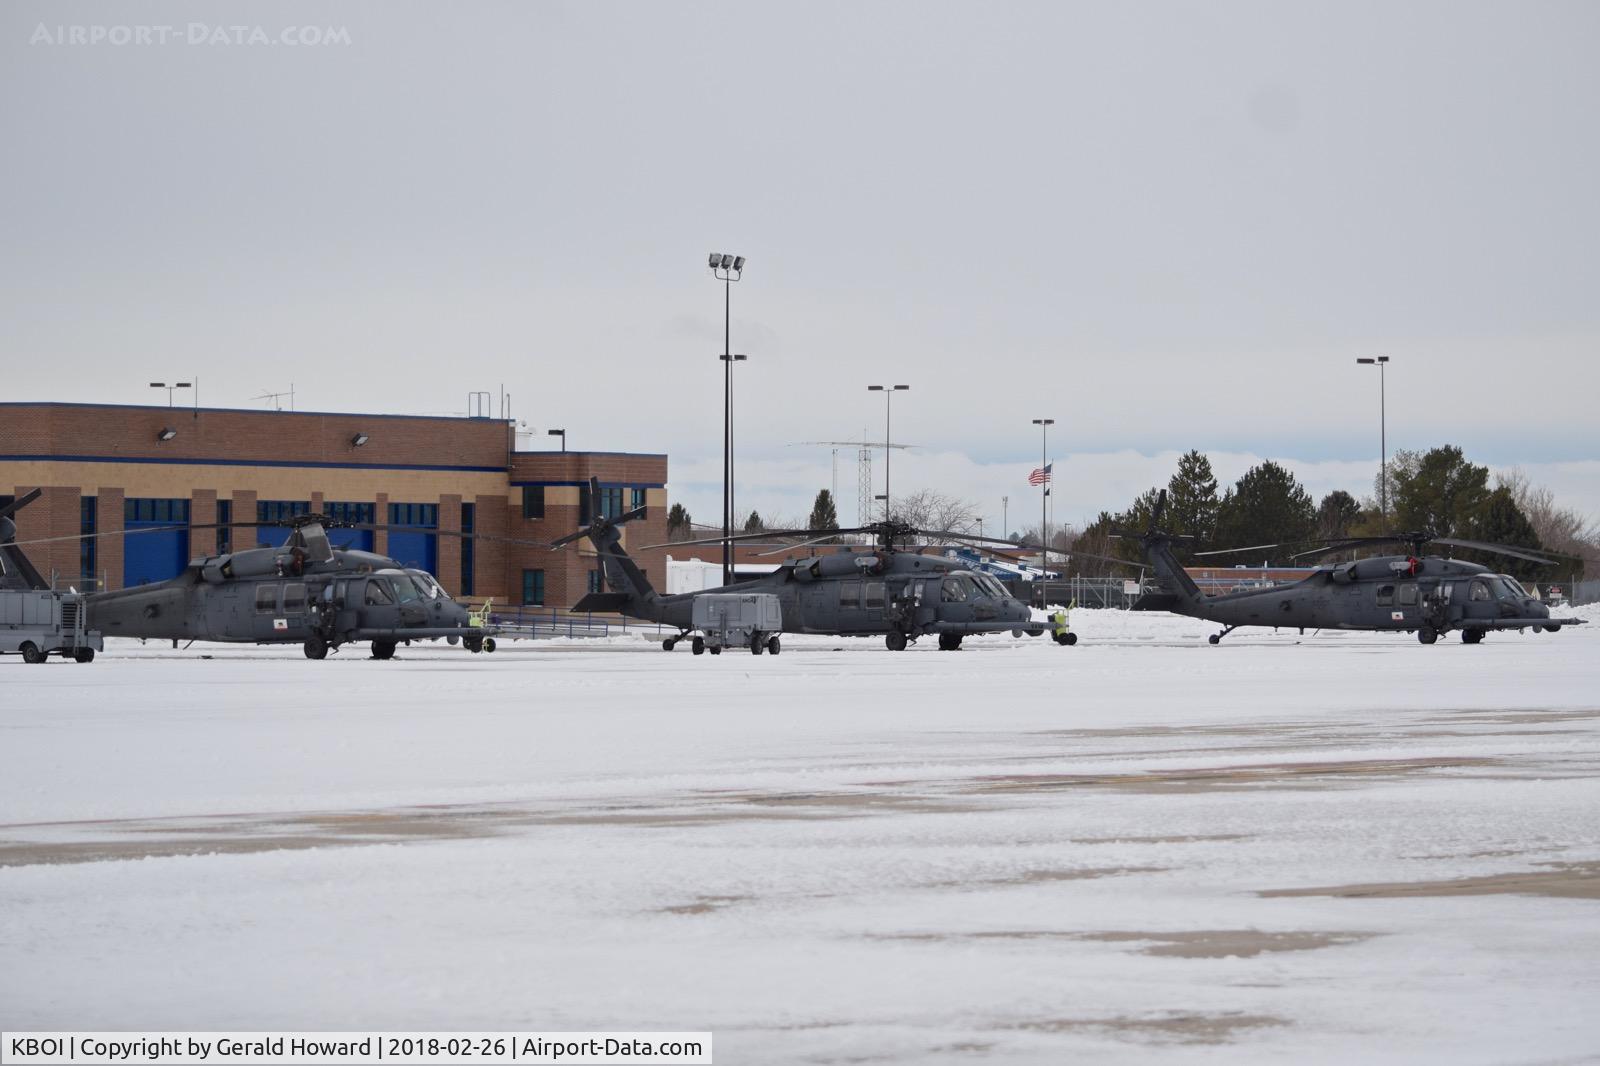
[[1167, 226]]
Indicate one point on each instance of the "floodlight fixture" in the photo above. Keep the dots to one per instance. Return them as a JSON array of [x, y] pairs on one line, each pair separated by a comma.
[[167, 433], [716, 260], [359, 439], [738, 262], [727, 261]]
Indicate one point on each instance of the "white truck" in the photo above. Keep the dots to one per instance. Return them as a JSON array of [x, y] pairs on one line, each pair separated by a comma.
[[39, 623], [732, 619]]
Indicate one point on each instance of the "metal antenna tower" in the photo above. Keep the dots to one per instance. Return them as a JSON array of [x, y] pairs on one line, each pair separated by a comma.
[[864, 502]]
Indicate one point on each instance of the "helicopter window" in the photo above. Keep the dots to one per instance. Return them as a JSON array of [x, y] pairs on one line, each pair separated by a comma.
[[266, 599], [1385, 595], [429, 587], [1480, 591], [874, 595], [1408, 595], [990, 586], [378, 593], [405, 588], [1510, 590], [849, 594], [954, 589], [294, 598], [916, 592]]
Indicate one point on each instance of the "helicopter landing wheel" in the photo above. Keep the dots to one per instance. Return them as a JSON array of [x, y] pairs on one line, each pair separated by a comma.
[[698, 645], [1427, 634], [1552, 629], [1215, 638], [949, 641], [773, 647], [31, 653], [716, 650], [895, 641], [383, 649], [83, 655], [669, 643], [1472, 636], [316, 648], [489, 645]]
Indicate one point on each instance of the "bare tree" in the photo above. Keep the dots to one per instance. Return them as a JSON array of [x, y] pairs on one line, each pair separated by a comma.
[[935, 510]]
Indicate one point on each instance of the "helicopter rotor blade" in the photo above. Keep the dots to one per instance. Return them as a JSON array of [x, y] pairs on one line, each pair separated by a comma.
[[766, 534], [19, 503], [1497, 549], [1235, 551]]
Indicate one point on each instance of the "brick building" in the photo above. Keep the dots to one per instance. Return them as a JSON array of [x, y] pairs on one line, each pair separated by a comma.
[[112, 469]]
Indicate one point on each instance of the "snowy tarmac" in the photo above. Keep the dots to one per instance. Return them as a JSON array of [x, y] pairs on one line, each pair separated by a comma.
[[1327, 848]]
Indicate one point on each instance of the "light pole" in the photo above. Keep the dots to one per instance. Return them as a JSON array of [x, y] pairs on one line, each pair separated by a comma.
[[888, 397], [169, 388], [1382, 362], [1005, 517], [558, 433], [727, 269], [1044, 425]]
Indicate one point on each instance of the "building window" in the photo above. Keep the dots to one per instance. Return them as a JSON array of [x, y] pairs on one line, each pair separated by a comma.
[[266, 599], [533, 588], [533, 501], [224, 531], [414, 514], [638, 499], [355, 513], [280, 512], [596, 581], [469, 520], [166, 512], [88, 519]]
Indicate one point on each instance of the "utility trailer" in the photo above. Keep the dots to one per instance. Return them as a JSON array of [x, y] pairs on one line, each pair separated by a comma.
[[41, 623], [732, 620]]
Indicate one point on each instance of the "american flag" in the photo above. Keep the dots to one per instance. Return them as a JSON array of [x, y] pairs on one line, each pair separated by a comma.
[[1041, 475]]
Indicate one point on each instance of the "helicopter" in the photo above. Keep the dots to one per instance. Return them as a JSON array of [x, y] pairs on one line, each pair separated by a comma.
[[304, 592], [1429, 595], [898, 594]]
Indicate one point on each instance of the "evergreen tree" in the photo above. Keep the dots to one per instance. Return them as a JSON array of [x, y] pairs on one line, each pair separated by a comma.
[[1337, 515], [1439, 493], [1502, 522], [1191, 503], [1267, 505], [823, 513], [753, 523], [677, 521]]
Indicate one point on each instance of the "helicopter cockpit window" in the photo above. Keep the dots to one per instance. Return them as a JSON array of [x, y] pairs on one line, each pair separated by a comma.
[[849, 594], [378, 594], [955, 589], [1480, 591], [1510, 590], [430, 588], [294, 598], [874, 595], [1385, 595], [266, 599], [405, 589], [989, 586]]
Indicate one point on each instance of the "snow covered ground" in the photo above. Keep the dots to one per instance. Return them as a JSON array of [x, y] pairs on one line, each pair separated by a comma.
[[1327, 848]]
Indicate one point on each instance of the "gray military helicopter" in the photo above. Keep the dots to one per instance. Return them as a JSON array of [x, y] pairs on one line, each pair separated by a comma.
[[1428, 595], [305, 592], [898, 594]]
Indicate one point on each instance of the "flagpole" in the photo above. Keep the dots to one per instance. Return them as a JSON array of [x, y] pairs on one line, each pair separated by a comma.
[[1044, 425]]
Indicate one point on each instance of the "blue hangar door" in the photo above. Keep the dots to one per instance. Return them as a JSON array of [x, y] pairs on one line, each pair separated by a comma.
[[158, 555], [351, 511], [416, 547]]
